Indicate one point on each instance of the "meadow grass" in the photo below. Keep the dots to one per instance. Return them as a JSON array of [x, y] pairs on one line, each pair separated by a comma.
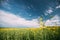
[[43, 33]]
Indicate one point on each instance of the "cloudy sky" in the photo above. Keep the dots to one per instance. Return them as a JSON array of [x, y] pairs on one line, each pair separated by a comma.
[[26, 13]]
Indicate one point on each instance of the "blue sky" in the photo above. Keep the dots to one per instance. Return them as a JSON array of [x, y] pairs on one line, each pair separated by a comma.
[[28, 11]]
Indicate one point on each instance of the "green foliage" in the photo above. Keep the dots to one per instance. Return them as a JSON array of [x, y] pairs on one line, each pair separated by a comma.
[[48, 33]]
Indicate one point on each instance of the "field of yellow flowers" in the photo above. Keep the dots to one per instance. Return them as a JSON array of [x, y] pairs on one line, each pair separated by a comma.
[[43, 33]]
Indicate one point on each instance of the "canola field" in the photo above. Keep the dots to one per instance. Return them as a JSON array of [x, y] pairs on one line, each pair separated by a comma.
[[43, 33]]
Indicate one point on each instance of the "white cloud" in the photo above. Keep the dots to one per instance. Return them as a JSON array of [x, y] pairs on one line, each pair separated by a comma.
[[57, 6], [53, 21], [7, 0], [29, 7], [10, 20], [48, 11], [6, 5], [30, 15]]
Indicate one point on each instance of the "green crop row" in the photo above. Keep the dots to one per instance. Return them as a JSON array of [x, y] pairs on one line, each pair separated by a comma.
[[31, 34]]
